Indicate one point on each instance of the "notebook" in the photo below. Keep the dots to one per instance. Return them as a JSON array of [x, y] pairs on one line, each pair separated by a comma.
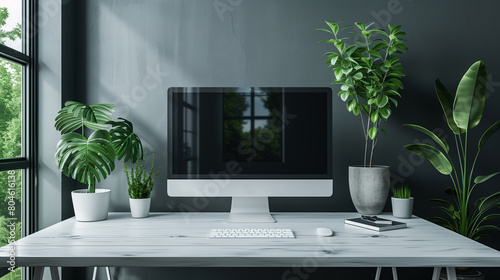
[[376, 224]]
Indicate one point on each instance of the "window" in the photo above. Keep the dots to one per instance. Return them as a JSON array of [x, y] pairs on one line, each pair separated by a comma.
[[17, 103], [189, 115], [251, 123]]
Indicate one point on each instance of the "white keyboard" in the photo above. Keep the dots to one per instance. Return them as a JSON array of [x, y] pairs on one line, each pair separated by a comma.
[[252, 233]]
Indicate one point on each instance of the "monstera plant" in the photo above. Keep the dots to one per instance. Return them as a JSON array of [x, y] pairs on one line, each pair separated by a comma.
[[90, 159], [463, 112]]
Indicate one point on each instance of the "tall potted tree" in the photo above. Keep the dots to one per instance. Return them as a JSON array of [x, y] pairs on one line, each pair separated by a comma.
[[369, 72], [463, 112], [88, 159]]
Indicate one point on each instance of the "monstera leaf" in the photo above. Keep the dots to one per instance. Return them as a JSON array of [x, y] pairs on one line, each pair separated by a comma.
[[124, 141], [86, 160], [75, 115]]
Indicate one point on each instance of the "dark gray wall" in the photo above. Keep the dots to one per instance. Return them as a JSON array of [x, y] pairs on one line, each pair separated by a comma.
[[130, 52]]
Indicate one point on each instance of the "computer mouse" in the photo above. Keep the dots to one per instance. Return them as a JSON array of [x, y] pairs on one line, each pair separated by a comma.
[[321, 231]]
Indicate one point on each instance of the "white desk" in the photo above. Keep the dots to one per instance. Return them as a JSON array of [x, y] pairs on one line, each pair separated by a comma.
[[180, 240]]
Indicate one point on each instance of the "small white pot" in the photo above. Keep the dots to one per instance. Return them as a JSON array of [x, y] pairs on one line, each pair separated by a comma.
[[139, 207], [91, 207], [402, 207]]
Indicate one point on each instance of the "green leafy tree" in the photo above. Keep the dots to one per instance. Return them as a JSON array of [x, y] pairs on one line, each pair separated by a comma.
[[10, 133], [13, 34], [234, 107], [369, 73], [10, 110]]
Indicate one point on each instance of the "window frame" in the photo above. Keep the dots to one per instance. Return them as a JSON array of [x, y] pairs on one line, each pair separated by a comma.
[[27, 162], [252, 118]]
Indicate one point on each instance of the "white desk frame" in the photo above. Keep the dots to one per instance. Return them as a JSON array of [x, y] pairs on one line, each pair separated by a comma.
[[180, 240]]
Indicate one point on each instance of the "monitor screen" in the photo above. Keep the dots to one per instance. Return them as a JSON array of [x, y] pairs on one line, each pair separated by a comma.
[[250, 133]]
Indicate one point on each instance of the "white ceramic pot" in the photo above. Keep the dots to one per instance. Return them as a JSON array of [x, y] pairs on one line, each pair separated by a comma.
[[91, 207], [139, 207], [402, 207]]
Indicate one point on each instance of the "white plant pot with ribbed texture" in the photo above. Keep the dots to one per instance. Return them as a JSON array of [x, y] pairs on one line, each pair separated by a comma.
[[91, 207], [139, 207]]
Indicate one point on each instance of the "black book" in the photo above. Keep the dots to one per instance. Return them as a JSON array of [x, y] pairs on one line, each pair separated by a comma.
[[377, 224]]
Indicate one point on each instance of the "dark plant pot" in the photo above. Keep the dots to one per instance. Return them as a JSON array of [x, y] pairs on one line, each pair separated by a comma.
[[468, 274], [369, 188]]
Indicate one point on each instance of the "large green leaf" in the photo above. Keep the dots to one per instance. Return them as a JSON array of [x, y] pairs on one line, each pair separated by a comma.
[[486, 135], [446, 101], [489, 202], [443, 222], [491, 216], [86, 160], [433, 136], [447, 207], [481, 179], [435, 156], [75, 115], [469, 100], [334, 26], [486, 227], [124, 141]]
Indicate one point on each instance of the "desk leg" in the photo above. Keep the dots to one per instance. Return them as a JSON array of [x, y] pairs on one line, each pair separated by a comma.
[[452, 274], [54, 273], [38, 273], [394, 274], [435, 274], [377, 274], [108, 273]]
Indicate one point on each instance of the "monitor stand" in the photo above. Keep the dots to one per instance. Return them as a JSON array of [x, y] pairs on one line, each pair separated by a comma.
[[250, 210]]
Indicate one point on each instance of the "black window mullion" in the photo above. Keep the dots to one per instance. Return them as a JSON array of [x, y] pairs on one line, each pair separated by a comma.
[[252, 116], [30, 36], [14, 164], [13, 55]]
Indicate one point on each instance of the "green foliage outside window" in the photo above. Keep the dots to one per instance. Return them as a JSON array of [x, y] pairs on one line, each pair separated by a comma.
[[10, 134]]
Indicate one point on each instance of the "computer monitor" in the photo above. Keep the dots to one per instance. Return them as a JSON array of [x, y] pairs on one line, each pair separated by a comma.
[[249, 143]]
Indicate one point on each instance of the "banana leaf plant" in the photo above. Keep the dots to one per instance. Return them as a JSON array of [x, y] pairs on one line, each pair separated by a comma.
[[463, 112], [87, 160]]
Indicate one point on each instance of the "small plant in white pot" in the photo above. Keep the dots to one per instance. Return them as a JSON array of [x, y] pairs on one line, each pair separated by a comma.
[[402, 202], [140, 186], [91, 159]]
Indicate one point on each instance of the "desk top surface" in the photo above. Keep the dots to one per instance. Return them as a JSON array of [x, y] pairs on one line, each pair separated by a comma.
[[181, 239]]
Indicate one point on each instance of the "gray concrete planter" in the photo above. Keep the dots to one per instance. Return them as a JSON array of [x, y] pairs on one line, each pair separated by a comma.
[[369, 188]]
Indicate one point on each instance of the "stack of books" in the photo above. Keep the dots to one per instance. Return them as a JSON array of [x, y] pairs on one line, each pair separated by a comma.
[[375, 223]]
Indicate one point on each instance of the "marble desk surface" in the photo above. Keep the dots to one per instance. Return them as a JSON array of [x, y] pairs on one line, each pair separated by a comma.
[[181, 240]]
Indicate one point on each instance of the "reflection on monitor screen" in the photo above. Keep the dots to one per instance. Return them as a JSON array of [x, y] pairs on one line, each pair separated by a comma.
[[250, 143]]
